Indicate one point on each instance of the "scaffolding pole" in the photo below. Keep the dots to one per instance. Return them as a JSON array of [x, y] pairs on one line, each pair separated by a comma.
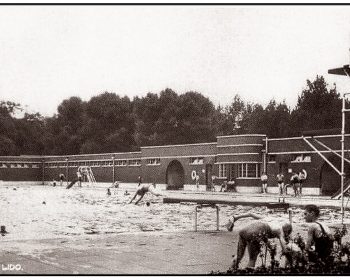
[[344, 110], [344, 71]]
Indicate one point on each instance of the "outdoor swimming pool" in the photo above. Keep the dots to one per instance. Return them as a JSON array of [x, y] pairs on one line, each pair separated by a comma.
[[41, 212]]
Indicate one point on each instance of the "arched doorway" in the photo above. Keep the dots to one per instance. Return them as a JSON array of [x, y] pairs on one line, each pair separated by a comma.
[[175, 175], [330, 179]]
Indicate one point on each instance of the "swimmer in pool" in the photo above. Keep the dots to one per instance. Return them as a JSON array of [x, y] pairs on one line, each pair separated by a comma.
[[143, 189]]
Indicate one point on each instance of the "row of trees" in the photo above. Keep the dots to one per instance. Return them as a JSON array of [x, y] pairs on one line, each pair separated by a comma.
[[110, 123]]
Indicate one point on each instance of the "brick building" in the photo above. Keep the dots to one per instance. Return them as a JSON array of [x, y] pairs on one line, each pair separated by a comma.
[[241, 158]]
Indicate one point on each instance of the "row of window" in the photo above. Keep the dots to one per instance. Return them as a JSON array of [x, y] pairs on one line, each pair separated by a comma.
[[245, 170], [103, 163], [19, 165], [108, 163], [240, 170]]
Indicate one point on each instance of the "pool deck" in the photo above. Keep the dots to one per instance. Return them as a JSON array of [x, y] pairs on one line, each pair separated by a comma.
[[138, 253]]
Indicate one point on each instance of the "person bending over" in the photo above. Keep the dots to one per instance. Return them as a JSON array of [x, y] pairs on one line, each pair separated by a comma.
[[248, 237], [143, 189]]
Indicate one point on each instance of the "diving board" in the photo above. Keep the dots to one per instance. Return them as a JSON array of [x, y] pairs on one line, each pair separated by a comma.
[[203, 201]]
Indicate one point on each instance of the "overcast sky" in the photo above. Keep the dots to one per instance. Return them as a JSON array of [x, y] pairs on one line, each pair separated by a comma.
[[49, 53]]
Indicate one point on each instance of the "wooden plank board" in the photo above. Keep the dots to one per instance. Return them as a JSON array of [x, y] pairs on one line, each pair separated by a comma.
[[271, 205]]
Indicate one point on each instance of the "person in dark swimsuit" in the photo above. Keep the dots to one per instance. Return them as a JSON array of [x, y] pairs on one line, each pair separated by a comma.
[[319, 236]]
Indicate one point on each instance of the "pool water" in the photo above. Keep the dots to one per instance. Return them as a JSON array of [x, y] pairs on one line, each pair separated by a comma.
[[41, 212]]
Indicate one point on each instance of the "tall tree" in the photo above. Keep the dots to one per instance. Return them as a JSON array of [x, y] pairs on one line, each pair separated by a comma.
[[230, 117], [65, 127], [169, 118], [8, 128], [110, 124], [318, 107]]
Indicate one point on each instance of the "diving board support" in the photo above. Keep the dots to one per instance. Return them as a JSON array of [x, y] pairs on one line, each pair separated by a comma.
[[199, 206]]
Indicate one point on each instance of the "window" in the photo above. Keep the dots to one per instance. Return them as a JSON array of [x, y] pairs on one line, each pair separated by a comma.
[[248, 170], [153, 161], [134, 162], [222, 170], [34, 165], [107, 163], [3, 165], [227, 171], [121, 163], [272, 158], [196, 160], [302, 158], [51, 165], [96, 163]]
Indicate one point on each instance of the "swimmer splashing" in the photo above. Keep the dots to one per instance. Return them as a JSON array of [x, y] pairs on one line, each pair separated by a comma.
[[143, 189]]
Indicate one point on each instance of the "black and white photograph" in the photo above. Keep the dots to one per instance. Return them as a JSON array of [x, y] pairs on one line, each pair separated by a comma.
[[143, 139]]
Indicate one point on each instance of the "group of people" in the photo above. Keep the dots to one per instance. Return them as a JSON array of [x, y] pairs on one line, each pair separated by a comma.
[[318, 245], [296, 182]]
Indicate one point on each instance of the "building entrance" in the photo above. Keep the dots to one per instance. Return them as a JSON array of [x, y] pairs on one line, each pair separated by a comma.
[[175, 175]]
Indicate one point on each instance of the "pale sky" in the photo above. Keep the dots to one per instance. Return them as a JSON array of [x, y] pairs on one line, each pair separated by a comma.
[[49, 53]]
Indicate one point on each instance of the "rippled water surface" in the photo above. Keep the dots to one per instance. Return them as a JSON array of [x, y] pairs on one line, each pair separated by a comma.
[[38, 212]]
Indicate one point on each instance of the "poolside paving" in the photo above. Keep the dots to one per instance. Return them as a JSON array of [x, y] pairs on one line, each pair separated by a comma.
[[168, 253]]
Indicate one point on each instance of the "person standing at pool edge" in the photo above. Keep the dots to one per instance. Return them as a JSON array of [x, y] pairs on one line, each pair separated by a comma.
[[264, 182], [197, 181], [80, 178], [280, 183], [139, 179], [294, 180], [61, 179], [302, 178]]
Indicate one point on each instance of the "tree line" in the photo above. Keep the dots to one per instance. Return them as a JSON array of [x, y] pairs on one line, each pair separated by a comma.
[[111, 123]]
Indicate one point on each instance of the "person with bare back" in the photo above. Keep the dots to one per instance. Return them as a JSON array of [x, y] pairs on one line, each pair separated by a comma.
[[143, 189], [248, 236]]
